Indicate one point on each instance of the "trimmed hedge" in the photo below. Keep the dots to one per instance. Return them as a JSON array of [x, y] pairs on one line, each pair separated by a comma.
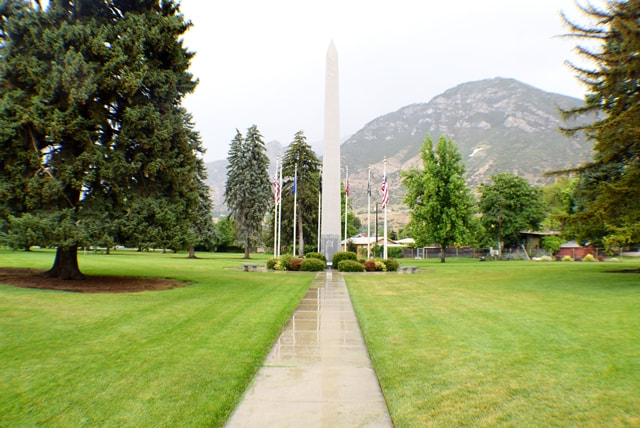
[[392, 265], [315, 255], [350, 266], [311, 264], [271, 263], [343, 255]]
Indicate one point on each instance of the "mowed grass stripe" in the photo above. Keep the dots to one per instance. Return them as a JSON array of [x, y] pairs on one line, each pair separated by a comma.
[[505, 343], [175, 357]]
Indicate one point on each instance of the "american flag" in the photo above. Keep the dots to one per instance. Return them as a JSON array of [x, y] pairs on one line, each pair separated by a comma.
[[276, 189], [385, 193], [346, 187]]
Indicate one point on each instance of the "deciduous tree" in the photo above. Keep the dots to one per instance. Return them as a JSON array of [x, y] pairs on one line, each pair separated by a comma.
[[509, 206], [440, 202]]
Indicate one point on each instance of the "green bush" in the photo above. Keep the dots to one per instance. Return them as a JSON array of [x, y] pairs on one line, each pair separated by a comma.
[[350, 266], [271, 263], [295, 263], [391, 264], [344, 255], [312, 264], [567, 258], [395, 252], [314, 255], [589, 258], [380, 266], [283, 262]]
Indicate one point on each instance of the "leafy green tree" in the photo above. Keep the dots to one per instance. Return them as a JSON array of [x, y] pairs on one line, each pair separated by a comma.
[[509, 206], [440, 202], [558, 200], [225, 234], [94, 141], [248, 188], [308, 186], [25, 232], [608, 195]]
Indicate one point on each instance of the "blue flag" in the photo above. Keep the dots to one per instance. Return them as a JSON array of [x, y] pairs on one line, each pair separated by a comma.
[[293, 189]]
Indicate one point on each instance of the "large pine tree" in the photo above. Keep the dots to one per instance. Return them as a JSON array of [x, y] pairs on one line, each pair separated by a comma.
[[440, 202], [300, 153], [608, 195], [94, 141], [248, 187]]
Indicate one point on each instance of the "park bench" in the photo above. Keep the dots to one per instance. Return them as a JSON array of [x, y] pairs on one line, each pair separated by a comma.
[[254, 267], [406, 269]]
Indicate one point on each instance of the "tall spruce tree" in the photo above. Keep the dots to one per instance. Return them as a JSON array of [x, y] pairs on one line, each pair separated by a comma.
[[608, 194], [248, 188], [440, 202], [94, 141], [300, 153]]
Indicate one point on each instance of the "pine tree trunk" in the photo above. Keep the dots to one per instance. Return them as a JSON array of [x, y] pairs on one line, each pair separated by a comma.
[[65, 265], [246, 249], [442, 248], [192, 252]]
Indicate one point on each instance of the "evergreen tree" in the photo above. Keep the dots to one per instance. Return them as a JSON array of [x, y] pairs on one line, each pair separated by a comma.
[[608, 195], [248, 188], [440, 202], [509, 206], [300, 152], [94, 140]]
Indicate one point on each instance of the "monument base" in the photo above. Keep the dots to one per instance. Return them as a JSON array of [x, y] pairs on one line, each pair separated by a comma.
[[329, 245]]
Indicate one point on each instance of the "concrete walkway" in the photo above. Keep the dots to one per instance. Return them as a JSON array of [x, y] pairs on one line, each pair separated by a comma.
[[318, 374]]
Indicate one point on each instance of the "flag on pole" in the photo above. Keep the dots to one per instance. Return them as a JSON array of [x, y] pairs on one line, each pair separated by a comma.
[[295, 184], [369, 184], [346, 186], [385, 192]]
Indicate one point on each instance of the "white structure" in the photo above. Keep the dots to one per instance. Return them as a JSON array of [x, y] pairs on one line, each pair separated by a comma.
[[331, 227]]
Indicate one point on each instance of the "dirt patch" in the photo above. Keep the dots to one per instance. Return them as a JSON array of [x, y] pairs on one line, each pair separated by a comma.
[[32, 278]]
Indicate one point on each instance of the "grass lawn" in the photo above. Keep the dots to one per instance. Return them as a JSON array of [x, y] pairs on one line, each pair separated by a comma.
[[505, 343], [180, 357]]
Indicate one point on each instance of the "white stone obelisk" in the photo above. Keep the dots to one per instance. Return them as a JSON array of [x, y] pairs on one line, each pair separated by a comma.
[[331, 227]]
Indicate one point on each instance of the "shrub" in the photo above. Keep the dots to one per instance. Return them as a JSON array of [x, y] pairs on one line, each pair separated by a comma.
[[283, 262], [370, 265], [312, 264], [567, 258], [314, 255], [350, 266], [271, 263], [380, 266], [589, 258], [295, 263], [395, 252], [343, 255], [391, 264]]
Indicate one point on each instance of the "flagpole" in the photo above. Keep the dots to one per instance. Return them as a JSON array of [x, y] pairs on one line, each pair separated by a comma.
[[346, 206], [386, 183], [319, 208], [275, 209], [295, 202], [369, 213], [280, 214]]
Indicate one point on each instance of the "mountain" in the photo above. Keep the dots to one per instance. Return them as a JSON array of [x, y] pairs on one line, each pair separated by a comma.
[[498, 125]]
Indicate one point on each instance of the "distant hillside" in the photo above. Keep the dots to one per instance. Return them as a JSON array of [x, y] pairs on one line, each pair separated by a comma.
[[498, 124]]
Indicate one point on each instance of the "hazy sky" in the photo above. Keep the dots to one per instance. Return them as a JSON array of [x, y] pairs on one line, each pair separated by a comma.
[[263, 62]]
